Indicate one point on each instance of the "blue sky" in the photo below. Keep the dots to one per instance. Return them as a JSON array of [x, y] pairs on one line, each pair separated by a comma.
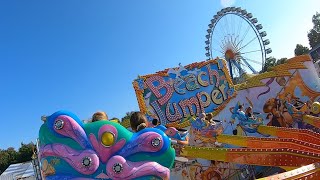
[[83, 55]]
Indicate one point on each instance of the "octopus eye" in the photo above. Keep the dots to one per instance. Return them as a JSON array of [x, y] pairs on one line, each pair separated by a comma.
[[86, 161], [107, 139], [58, 124], [156, 142], [117, 168]]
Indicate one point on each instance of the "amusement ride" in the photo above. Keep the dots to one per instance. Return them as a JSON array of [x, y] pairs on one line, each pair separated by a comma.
[[274, 118]]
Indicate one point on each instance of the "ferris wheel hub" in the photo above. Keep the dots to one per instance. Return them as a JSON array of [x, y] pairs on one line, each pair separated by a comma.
[[230, 54]]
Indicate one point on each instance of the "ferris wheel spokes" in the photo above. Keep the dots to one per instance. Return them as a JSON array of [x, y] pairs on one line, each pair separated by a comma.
[[251, 51], [248, 43]]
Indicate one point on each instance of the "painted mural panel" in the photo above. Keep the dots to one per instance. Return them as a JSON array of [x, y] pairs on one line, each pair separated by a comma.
[[282, 98]]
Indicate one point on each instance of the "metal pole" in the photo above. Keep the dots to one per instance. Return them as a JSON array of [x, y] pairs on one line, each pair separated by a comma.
[[36, 164]]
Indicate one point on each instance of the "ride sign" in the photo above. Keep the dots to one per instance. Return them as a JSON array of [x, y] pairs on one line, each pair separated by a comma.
[[176, 93]]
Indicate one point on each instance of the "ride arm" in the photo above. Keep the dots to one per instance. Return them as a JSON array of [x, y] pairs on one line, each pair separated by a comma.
[[238, 66], [249, 66]]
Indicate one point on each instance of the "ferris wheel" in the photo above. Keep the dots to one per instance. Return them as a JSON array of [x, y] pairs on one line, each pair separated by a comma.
[[235, 35]]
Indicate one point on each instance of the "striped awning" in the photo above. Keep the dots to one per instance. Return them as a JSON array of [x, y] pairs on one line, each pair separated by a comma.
[[18, 171]]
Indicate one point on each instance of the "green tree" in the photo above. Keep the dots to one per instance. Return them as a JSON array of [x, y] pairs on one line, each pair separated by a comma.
[[127, 116], [25, 152], [300, 50], [314, 33], [4, 160], [270, 62], [11, 156], [281, 61]]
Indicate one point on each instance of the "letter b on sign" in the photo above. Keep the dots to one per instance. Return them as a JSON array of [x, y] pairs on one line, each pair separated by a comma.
[[162, 99]]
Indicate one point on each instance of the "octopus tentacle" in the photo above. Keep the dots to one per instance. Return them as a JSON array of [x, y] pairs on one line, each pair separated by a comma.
[[120, 168], [70, 128], [74, 158], [144, 143]]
